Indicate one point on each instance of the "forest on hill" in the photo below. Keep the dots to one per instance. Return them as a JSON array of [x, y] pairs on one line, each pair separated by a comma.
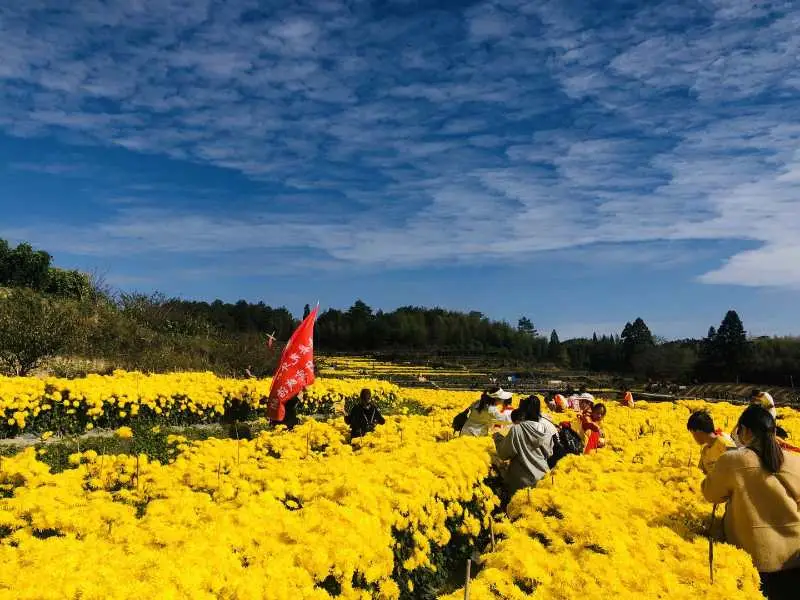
[[47, 311]]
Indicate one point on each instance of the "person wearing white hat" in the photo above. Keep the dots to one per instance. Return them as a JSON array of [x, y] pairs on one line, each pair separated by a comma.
[[485, 413], [765, 400]]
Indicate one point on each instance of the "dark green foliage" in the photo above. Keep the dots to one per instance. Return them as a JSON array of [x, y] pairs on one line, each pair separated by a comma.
[[725, 354], [149, 438], [525, 325], [154, 333], [636, 340], [437, 331], [68, 284], [33, 328], [25, 267], [556, 352]]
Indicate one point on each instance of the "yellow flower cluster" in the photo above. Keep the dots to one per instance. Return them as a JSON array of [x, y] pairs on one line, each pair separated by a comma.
[[193, 396], [288, 515], [626, 522]]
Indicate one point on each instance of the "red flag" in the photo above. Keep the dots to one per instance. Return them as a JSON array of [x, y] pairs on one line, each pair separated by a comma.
[[295, 369]]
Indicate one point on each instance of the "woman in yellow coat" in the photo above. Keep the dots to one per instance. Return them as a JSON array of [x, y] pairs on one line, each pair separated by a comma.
[[760, 484]]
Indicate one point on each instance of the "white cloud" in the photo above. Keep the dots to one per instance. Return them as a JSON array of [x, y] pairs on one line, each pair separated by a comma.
[[497, 131], [770, 266]]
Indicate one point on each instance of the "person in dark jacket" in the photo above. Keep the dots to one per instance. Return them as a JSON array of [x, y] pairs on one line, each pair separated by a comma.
[[364, 416], [290, 420], [290, 412]]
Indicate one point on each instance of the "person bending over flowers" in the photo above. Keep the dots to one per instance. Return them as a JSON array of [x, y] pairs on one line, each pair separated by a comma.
[[559, 403], [760, 484], [528, 445], [627, 399], [485, 413], [715, 443], [364, 416], [593, 435], [586, 423]]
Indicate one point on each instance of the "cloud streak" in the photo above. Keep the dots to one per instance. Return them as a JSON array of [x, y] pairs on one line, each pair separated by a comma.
[[495, 131]]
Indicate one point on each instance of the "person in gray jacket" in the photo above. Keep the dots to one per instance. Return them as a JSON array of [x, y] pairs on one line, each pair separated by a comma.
[[527, 446]]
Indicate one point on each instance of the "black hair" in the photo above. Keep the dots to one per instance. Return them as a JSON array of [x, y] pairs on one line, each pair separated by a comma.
[[601, 407], [517, 415], [762, 425], [486, 400], [531, 408], [755, 392], [366, 395], [700, 420]]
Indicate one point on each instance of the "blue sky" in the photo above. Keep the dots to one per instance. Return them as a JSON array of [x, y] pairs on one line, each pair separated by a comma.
[[579, 162]]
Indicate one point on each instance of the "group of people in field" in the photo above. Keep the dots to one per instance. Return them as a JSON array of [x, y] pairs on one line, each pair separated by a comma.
[[755, 472], [528, 440], [362, 417]]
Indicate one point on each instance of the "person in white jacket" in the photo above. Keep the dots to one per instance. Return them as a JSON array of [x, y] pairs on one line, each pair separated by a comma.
[[485, 413], [527, 446]]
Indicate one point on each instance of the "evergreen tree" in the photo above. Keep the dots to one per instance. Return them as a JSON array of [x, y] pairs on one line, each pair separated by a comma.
[[556, 352], [732, 345], [306, 311], [725, 352], [636, 339], [525, 325]]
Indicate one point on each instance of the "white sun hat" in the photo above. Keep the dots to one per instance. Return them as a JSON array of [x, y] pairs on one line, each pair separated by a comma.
[[501, 394]]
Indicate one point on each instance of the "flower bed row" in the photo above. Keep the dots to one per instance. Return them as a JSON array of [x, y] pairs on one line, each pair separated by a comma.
[[288, 515], [32, 405]]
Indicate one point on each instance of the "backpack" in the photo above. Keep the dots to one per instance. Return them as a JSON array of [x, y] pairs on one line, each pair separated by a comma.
[[460, 420], [566, 441]]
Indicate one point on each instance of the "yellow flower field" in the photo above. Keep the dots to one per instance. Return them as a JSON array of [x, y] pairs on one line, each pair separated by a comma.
[[181, 397], [288, 515], [628, 522], [307, 514]]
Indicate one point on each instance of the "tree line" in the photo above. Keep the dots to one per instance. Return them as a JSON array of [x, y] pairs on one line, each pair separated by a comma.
[[47, 311], [725, 355], [22, 266]]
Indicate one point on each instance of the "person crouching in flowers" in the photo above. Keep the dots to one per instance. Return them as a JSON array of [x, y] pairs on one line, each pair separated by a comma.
[[290, 419], [593, 435], [556, 402], [713, 441], [364, 416], [760, 485], [528, 445], [627, 399], [485, 413]]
